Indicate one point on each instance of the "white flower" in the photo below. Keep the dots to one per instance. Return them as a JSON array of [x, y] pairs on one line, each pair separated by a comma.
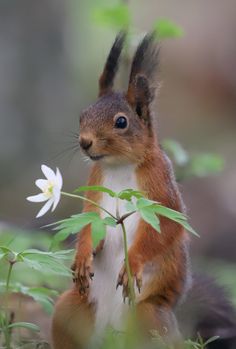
[[51, 190]]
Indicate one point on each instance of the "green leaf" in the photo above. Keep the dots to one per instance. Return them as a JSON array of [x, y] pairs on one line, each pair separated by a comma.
[[130, 206], [152, 208], [176, 152], [96, 188], [142, 202], [188, 227], [151, 218], [109, 221], [5, 251], [82, 219], [62, 235], [117, 16], [49, 262], [127, 194], [41, 295], [205, 164], [27, 325], [98, 232], [168, 212], [175, 216], [164, 28], [62, 254], [73, 225]]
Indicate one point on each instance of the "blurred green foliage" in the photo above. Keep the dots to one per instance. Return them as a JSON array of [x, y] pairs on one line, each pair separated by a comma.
[[116, 16], [192, 165], [19, 240], [165, 28]]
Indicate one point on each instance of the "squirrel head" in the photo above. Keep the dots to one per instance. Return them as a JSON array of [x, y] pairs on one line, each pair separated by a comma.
[[118, 128]]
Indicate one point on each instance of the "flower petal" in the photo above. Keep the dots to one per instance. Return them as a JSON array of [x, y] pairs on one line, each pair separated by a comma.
[[37, 198], [45, 208], [59, 178], [41, 183], [48, 173], [56, 197]]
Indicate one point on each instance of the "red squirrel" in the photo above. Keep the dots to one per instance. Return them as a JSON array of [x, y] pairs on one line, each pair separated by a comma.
[[117, 133]]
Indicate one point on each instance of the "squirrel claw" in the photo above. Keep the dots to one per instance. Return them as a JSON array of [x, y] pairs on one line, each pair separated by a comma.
[[138, 283], [82, 274], [123, 280]]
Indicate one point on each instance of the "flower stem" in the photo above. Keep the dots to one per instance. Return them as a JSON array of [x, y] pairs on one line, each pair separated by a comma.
[[127, 266], [88, 200]]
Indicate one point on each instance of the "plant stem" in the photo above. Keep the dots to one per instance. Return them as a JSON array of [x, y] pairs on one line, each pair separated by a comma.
[[7, 332], [9, 277], [88, 200], [127, 266], [122, 218]]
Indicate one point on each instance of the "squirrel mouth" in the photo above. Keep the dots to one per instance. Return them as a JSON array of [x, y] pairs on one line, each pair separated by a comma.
[[97, 157]]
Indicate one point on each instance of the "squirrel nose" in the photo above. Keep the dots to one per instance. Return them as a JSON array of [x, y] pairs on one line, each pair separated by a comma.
[[85, 143]]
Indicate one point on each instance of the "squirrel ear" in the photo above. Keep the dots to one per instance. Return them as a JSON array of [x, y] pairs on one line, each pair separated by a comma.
[[139, 96], [111, 66], [141, 90]]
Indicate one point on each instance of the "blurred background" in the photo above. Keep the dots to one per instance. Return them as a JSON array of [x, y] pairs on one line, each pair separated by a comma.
[[51, 55]]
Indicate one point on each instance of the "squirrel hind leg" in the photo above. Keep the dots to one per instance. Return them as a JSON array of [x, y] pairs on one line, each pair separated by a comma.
[[159, 322], [72, 322]]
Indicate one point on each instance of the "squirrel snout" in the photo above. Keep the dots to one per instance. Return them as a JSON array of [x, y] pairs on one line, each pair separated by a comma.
[[85, 143]]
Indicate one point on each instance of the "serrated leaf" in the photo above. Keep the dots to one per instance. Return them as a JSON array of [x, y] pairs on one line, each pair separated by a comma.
[[175, 216], [27, 325], [143, 202], [151, 218], [164, 28], [188, 227], [168, 212], [74, 225], [98, 232], [62, 235], [48, 266], [109, 221], [62, 254], [81, 218], [96, 188], [49, 262], [128, 194]]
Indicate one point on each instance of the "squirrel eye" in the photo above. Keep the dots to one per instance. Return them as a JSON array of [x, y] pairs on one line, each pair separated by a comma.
[[121, 122]]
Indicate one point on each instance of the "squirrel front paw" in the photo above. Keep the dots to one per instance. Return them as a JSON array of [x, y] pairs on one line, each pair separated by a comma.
[[136, 270], [82, 271]]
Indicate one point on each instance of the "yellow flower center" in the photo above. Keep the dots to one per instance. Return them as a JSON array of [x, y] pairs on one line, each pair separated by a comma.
[[48, 191]]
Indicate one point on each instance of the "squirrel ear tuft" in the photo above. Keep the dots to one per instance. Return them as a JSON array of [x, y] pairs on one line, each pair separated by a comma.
[[141, 89], [111, 66], [139, 96]]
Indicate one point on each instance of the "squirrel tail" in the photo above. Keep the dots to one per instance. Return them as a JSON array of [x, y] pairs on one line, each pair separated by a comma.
[[207, 311]]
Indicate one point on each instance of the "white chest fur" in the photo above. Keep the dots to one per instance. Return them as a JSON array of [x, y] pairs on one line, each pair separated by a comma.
[[110, 308]]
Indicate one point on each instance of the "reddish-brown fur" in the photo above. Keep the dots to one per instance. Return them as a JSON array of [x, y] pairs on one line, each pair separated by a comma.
[[137, 144]]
